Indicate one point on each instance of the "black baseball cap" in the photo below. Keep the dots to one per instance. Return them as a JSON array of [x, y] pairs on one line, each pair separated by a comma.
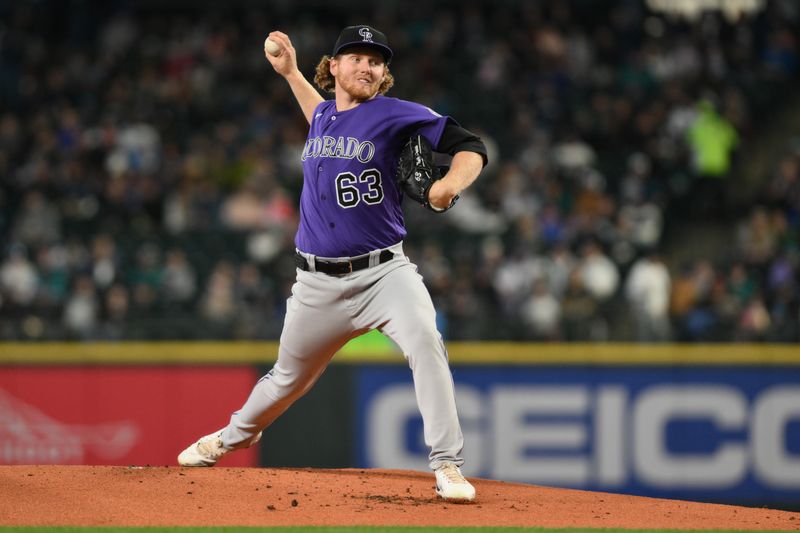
[[363, 35]]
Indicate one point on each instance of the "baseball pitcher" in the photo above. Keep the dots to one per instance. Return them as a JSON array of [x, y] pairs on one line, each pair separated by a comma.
[[364, 153]]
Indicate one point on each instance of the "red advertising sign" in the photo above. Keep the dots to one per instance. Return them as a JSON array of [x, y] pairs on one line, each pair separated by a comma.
[[116, 415]]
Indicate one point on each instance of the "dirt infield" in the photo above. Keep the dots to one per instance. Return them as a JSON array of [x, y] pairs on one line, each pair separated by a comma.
[[167, 496]]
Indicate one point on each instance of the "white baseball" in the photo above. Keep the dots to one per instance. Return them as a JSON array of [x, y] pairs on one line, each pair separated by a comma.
[[271, 47]]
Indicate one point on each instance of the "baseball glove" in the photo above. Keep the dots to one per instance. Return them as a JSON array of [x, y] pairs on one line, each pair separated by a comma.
[[416, 172]]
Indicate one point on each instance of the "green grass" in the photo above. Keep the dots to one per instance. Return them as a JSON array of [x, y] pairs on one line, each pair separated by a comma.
[[359, 529]]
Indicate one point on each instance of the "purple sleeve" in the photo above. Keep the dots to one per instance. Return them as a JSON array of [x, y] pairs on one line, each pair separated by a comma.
[[410, 117]]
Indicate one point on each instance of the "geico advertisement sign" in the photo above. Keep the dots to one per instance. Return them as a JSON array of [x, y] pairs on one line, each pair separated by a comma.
[[605, 436]]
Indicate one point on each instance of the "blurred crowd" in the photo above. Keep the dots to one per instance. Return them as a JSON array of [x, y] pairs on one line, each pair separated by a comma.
[[750, 294], [150, 172]]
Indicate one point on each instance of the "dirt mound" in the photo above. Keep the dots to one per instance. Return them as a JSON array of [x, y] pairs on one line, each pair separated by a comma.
[[170, 496]]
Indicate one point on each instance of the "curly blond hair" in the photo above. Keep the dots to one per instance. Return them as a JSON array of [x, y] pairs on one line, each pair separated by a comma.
[[325, 81]]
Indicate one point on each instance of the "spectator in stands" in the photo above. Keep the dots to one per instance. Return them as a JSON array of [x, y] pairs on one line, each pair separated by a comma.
[[756, 238], [147, 277], [179, 280], [580, 311], [598, 273], [541, 312], [38, 221], [253, 297], [754, 321], [105, 267], [18, 279], [647, 289], [218, 304], [514, 280], [712, 139], [116, 313], [81, 311], [54, 276], [640, 223]]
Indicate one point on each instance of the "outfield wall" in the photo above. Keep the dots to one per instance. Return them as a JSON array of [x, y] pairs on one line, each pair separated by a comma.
[[698, 422]]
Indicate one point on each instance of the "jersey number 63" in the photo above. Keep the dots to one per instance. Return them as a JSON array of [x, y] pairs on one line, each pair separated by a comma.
[[348, 195]]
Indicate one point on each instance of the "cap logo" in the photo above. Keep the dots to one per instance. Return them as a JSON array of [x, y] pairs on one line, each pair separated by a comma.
[[366, 34]]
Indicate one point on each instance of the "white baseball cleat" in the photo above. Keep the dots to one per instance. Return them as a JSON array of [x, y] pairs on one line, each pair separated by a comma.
[[452, 485], [208, 450]]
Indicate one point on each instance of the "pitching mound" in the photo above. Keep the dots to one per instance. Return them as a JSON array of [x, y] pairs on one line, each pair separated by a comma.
[[152, 496]]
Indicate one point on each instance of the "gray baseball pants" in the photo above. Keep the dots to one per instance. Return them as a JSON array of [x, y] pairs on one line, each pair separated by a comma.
[[323, 313]]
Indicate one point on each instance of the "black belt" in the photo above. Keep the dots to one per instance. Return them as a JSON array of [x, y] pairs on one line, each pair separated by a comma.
[[340, 268]]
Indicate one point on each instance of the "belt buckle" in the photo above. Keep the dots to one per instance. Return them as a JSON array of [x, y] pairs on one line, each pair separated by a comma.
[[350, 267]]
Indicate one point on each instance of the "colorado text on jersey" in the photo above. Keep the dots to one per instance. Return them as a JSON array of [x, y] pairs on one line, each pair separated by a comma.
[[340, 147]]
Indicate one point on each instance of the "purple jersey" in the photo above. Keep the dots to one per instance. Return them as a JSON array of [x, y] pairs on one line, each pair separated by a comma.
[[350, 202]]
